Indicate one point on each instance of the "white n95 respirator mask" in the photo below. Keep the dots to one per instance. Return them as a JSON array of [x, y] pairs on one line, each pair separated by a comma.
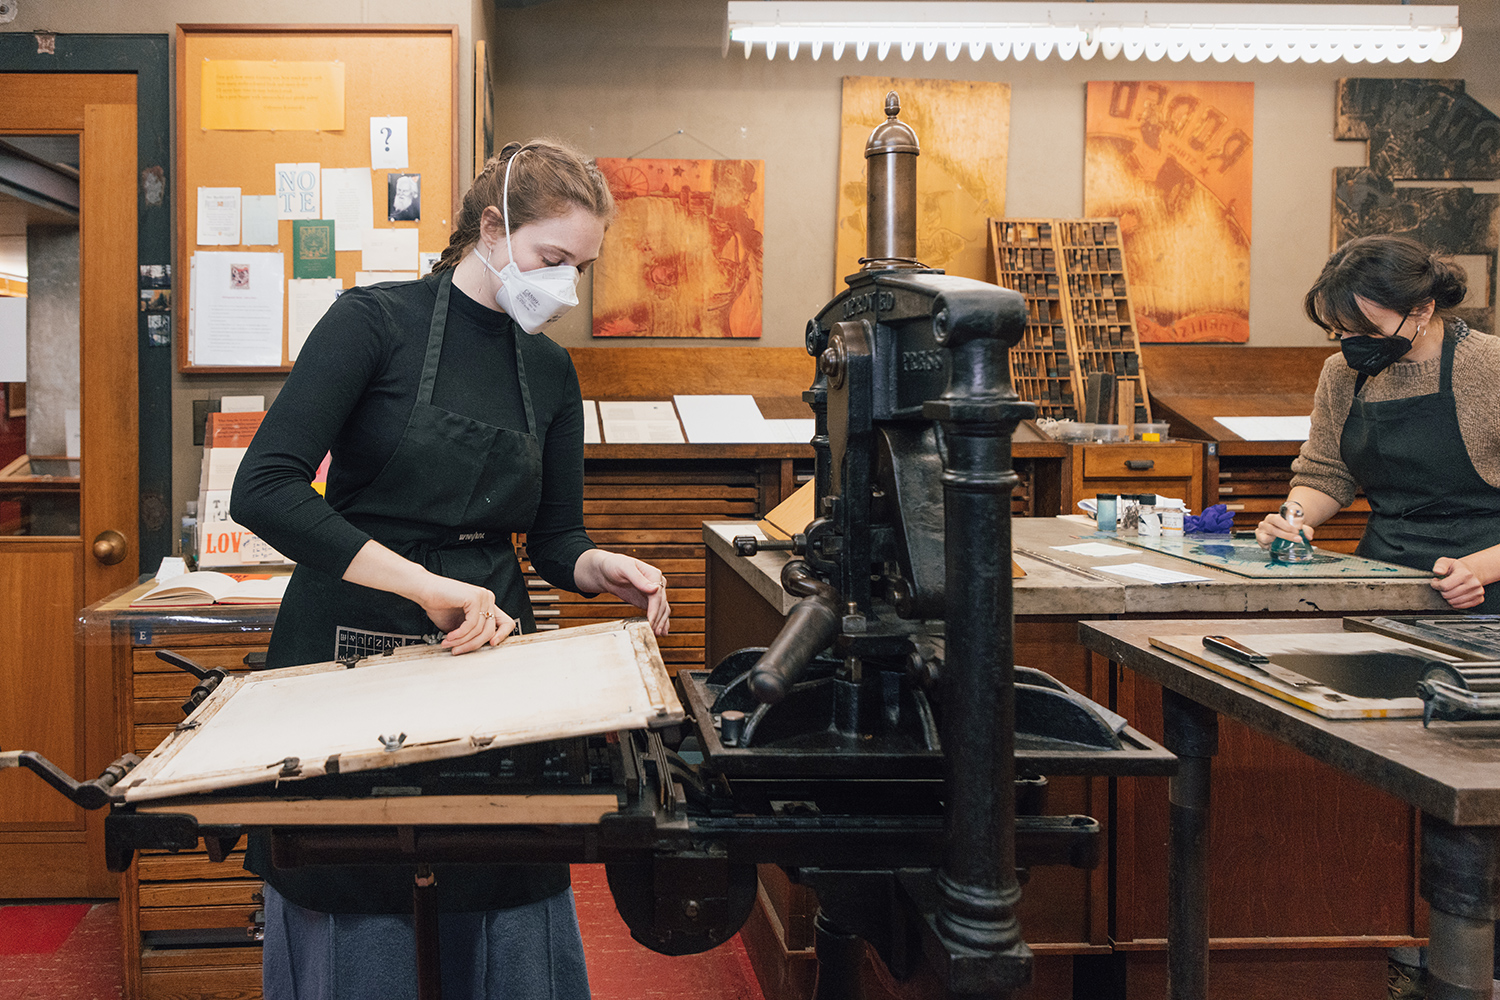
[[537, 298]]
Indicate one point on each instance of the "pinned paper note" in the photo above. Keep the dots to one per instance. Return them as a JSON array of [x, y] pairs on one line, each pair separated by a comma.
[[298, 191], [307, 300], [427, 261], [259, 226], [348, 201], [218, 217], [390, 250], [376, 277], [388, 143], [262, 95]]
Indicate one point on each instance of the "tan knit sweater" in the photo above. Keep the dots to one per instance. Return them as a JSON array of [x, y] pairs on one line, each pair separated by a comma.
[[1476, 389]]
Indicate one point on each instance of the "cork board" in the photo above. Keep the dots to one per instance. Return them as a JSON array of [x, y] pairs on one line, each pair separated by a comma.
[[389, 71]]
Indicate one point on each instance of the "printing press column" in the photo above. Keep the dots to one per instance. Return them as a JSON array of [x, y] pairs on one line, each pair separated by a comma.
[[977, 886], [1461, 879], [1191, 731]]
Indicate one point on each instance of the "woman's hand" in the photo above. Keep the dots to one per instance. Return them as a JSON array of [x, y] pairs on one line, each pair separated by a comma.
[[1457, 583], [467, 613], [1274, 526], [630, 580]]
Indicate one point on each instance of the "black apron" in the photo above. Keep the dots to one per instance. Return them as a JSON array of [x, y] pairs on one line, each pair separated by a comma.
[[448, 498], [1426, 499]]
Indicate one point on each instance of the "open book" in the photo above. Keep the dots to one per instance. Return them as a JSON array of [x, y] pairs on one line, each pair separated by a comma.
[[193, 590]]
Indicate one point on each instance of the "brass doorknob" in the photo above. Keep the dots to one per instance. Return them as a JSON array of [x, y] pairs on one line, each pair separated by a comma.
[[110, 547]]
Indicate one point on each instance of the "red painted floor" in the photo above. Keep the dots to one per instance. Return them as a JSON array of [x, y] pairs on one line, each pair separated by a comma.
[[86, 965]]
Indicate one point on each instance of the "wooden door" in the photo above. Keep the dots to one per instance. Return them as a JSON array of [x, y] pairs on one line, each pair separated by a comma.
[[56, 688]]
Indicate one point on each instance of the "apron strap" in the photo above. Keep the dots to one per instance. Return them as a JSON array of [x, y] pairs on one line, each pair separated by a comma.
[[1445, 376], [435, 342], [516, 335]]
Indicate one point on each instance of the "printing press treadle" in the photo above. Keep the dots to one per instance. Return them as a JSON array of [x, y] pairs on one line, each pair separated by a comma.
[[883, 748]]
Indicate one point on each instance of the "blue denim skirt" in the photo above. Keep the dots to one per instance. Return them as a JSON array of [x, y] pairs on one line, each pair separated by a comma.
[[531, 952]]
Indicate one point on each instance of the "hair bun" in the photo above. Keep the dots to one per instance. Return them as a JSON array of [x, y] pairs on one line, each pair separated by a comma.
[[1450, 282]]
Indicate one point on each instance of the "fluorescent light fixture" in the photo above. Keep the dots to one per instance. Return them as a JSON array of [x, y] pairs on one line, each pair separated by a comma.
[[1244, 32]]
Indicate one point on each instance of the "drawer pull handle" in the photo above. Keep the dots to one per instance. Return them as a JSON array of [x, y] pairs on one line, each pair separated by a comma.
[[1140, 464]]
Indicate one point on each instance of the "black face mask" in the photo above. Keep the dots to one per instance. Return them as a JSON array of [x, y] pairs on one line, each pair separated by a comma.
[[1373, 355]]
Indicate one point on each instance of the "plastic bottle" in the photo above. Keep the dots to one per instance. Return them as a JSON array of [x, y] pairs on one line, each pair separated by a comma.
[[1150, 526], [1171, 522], [1106, 510]]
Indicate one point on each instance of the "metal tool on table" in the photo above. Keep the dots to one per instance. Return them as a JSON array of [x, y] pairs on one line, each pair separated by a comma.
[[1458, 692], [1286, 550], [1239, 652]]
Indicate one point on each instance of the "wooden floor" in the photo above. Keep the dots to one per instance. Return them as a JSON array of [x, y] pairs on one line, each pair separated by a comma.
[[86, 966]]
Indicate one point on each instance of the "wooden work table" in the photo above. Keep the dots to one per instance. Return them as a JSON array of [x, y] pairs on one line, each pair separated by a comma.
[[1273, 937], [1447, 771]]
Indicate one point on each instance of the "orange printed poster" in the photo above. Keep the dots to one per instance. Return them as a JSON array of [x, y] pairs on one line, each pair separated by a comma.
[[684, 255], [963, 127], [273, 96], [1171, 160]]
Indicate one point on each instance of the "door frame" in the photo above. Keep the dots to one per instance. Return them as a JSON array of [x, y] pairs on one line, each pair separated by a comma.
[[148, 57]]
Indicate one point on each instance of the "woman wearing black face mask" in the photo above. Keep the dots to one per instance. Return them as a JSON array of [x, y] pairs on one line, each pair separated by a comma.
[[1409, 412]]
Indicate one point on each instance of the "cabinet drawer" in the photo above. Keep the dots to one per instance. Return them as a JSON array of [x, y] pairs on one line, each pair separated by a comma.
[[241, 982], [1101, 461], [226, 892], [181, 918], [146, 661], [157, 867]]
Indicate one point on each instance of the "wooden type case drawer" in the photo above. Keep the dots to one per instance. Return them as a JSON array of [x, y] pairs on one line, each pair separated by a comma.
[[1136, 461]]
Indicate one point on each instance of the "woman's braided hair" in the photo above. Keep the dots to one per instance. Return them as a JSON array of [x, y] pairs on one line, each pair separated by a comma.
[[550, 178]]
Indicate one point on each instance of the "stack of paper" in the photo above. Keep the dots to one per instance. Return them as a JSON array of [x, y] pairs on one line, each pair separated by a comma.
[[736, 420]]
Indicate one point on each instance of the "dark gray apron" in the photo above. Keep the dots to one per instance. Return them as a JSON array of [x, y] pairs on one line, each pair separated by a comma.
[[1426, 499], [449, 498]]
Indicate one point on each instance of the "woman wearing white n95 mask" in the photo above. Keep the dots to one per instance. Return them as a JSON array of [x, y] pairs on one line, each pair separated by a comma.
[[451, 427]]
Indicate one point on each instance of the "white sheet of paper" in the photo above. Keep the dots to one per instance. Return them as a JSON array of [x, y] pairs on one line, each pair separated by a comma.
[[639, 422], [388, 143], [376, 277], [1150, 574], [796, 430], [722, 419], [307, 299], [218, 217], [297, 191], [219, 468], [13, 338], [171, 566], [389, 250], [237, 308], [241, 404], [1269, 428], [1099, 549], [427, 261], [590, 423], [348, 199], [259, 226]]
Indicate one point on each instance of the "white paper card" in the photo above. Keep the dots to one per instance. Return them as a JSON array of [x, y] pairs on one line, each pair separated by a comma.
[[237, 308], [1099, 549], [376, 277], [171, 566], [389, 250], [241, 404], [590, 423], [721, 419], [12, 338], [307, 299], [297, 191], [639, 422], [1268, 428], [388, 143], [218, 217], [798, 430], [1150, 574], [259, 227], [427, 261], [348, 199]]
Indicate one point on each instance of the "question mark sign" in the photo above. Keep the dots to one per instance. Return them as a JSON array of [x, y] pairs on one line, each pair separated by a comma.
[[387, 131]]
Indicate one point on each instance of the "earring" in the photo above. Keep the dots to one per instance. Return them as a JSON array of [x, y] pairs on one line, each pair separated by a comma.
[[1422, 330]]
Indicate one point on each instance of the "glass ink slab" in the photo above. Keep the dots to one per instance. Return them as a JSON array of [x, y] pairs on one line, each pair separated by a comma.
[[1245, 557], [418, 704]]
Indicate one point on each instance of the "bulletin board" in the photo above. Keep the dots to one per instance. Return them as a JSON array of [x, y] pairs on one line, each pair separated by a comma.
[[388, 71]]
